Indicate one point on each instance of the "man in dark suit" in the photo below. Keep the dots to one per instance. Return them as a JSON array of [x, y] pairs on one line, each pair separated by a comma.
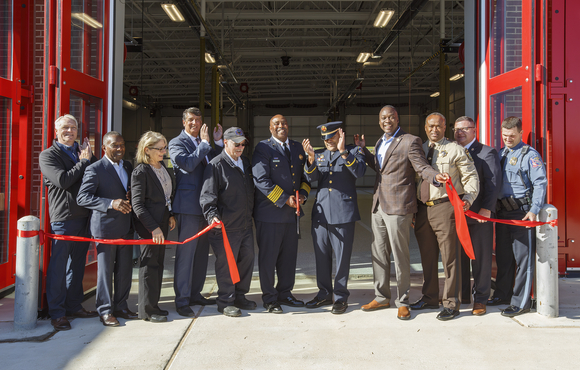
[[63, 166], [190, 152], [277, 166], [398, 157], [105, 190], [487, 165], [336, 169]]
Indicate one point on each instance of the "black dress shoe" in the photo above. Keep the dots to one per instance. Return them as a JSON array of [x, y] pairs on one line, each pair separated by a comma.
[[230, 311], [512, 311], [109, 320], [245, 304], [159, 311], [422, 305], [447, 314], [61, 324], [185, 311], [156, 318], [273, 307], [83, 314], [125, 314], [318, 302], [339, 307], [496, 301], [202, 301], [291, 301]]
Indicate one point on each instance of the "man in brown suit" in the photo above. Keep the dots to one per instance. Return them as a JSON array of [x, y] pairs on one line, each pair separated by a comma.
[[398, 156]]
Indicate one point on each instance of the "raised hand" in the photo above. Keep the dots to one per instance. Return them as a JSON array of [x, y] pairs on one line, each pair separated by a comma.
[[341, 146], [359, 140], [86, 150], [204, 133], [217, 132], [309, 150]]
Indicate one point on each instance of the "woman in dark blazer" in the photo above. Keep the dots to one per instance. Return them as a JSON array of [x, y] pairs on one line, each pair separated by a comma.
[[152, 190]]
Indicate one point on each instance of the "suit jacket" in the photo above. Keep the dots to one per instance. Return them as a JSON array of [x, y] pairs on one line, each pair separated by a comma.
[[395, 189], [486, 161], [63, 178], [336, 199], [148, 201], [276, 179], [101, 185], [188, 168]]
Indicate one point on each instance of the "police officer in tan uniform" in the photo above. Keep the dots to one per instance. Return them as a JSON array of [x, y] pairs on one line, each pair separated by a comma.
[[435, 219]]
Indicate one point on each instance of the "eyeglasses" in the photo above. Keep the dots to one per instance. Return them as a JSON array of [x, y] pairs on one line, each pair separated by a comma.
[[464, 129], [160, 149], [240, 144]]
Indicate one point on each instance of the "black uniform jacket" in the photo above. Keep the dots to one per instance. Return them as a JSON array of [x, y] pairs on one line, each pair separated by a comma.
[[228, 193]]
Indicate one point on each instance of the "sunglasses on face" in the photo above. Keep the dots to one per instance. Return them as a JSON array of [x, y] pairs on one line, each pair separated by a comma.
[[240, 144]]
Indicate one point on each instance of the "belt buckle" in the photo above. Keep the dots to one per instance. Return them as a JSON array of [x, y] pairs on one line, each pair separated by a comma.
[[429, 203]]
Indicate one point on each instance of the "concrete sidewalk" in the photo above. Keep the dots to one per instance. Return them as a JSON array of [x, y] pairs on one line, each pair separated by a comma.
[[302, 338]]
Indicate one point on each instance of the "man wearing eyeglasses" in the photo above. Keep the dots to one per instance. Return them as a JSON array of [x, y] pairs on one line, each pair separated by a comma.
[[486, 163], [227, 196], [190, 152]]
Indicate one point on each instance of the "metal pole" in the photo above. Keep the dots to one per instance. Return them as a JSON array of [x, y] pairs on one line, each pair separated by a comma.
[[547, 296], [26, 284]]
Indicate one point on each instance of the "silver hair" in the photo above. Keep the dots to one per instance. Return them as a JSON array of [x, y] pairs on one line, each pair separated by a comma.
[[62, 119]]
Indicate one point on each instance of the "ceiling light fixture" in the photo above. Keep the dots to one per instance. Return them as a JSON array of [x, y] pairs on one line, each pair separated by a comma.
[[456, 77], [435, 94], [362, 57], [383, 18], [87, 19], [209, 58], [173, 12]]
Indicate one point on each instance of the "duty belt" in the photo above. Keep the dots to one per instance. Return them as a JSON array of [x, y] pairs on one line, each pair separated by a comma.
[[431, 203], [512, 204]]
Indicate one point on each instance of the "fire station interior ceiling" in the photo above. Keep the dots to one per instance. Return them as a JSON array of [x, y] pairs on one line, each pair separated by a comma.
[[288, 52]]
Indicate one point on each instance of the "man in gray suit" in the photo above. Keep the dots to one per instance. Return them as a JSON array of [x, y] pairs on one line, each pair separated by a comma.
[[105, 190], [486, 163], [190, 152], [398, 156]]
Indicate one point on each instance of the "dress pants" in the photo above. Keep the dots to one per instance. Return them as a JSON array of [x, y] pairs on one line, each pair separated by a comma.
[[66, 269], [277, 253], [482, 241], [391, 234], [515, 250], [190, 260], [115, 266], [328, 239], [435, 232], [150, 279], [242, 244]]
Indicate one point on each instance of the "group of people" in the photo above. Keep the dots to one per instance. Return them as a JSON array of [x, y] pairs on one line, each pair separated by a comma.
[[108, 199]]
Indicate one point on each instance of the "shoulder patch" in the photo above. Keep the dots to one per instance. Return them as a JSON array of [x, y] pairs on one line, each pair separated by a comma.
[[536, 162], [359, 150]]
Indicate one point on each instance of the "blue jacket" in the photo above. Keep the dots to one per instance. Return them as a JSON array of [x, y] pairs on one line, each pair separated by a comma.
[[336, 200], [101, 185], [276, 179], [188, 168]]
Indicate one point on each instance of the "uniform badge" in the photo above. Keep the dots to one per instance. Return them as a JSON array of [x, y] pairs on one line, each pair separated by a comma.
[[323, 129], [301, 157], [536, 162], [443, 153], [513, 161]]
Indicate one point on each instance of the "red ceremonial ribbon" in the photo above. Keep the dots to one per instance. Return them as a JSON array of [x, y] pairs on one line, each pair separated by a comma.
[[229, 254], [460, 221], [297, 203]]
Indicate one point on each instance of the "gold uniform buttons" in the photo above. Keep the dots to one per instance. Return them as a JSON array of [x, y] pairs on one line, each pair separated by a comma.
[[330, 182], [331, 172]]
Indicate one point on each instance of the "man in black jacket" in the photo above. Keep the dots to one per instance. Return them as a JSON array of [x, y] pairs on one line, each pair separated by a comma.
[[63, 166], [486, 163], [228, 196]]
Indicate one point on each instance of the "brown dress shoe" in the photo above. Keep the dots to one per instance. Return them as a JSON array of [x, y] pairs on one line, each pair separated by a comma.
[[109, 320], [478, 309], [60, 324], [403, 313], [374, 305]]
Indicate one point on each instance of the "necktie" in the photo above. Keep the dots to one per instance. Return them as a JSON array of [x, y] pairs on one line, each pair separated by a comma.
[[198, 141], [425, 184], [287, 152], [73, 154]]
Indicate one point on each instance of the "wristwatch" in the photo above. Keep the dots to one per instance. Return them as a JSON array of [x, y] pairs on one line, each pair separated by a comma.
[[344, 152]]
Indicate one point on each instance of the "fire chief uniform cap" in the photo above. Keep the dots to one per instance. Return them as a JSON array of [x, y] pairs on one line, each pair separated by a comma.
[[329, 129]]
